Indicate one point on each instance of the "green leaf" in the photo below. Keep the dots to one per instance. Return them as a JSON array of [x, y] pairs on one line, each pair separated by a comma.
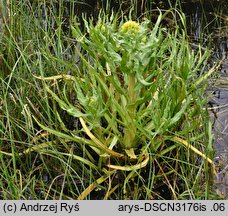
[[73, 111], [179, 114]]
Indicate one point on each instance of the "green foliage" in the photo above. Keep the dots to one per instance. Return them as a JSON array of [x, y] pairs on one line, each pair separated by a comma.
[[114, 111], [138, 91]]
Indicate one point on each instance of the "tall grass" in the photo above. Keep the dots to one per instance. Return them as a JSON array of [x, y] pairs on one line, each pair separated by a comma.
[[101, 111], [33, 42]]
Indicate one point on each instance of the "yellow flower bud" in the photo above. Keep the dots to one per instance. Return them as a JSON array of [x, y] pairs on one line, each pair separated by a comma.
[[130, 27]]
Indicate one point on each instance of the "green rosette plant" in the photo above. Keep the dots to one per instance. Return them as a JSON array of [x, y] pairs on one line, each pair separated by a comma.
[[139, 98]]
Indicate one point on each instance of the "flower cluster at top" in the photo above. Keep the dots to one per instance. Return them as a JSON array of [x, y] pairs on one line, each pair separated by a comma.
[[130, 27]]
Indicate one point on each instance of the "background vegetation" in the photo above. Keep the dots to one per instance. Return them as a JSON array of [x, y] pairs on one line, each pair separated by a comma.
[[92, 110]]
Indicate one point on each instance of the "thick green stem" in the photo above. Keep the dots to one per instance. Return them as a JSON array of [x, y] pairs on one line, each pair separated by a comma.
[[130, 128], [131, 89]]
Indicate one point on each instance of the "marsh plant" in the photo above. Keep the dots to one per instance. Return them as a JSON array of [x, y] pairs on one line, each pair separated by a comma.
[[136, 100], [109, 108]]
